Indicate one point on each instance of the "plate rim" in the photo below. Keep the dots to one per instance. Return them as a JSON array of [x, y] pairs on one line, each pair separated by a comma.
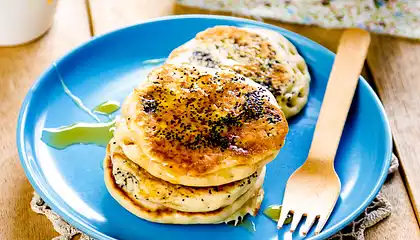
[[33, 174]]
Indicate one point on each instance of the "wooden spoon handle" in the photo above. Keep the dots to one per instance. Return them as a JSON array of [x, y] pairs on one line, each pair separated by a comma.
[[348, 64]]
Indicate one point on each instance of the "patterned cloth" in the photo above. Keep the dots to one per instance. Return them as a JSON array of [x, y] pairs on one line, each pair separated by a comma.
[[393, 17], [379, 209]]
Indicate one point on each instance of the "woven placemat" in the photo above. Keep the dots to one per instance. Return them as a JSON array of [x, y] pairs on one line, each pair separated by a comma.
[[379, 209]]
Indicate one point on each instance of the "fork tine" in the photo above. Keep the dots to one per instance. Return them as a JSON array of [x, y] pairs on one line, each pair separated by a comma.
[[283, 215], [297, 216], [321, 223], [310, 219]]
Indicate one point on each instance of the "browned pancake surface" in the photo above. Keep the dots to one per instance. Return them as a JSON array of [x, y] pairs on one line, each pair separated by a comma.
[[193, 120]]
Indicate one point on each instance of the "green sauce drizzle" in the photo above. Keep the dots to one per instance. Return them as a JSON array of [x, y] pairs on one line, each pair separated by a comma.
[[248, 224], [79, 133], [273, 212], [154, 61], [107, 108], [73, 97], [82, 133]]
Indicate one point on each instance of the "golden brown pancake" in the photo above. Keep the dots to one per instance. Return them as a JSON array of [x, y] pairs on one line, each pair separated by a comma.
[[249, 202], [263, 55], [144, 186], [197, 126]]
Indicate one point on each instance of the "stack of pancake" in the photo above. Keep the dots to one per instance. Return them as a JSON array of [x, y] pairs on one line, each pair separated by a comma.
[[262, 55], [193, 140]]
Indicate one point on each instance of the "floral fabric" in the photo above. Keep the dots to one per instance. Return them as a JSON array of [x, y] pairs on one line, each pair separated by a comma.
[[393, 17]]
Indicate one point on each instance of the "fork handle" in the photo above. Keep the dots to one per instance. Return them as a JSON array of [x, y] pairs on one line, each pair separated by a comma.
[[348, 64]]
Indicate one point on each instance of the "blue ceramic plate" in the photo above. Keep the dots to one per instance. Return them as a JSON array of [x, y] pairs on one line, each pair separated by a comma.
[[108, 67]]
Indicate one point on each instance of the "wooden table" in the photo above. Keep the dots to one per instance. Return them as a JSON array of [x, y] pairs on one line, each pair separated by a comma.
[[392, 67]]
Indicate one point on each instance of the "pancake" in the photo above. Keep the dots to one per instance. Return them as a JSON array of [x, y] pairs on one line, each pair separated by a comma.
[[249, 202], [197, 126], [251, 207], [143, 186], [165, 171], [263, 55]]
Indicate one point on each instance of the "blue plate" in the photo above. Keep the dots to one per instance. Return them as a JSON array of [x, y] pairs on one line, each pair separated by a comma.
[[108, 67]]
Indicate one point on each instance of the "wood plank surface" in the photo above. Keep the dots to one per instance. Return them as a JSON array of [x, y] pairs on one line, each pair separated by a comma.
[[395, 67], [19, 68], [109, 15]]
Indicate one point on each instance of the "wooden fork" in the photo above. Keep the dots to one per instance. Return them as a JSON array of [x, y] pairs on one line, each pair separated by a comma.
[[313, 189]]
